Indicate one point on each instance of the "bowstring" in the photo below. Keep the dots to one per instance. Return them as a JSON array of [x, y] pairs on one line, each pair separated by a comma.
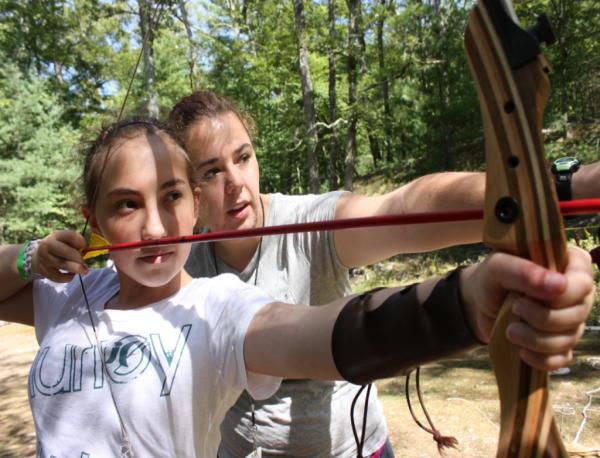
[[126, 450]]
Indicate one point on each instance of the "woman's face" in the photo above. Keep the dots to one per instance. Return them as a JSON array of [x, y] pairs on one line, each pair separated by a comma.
[[227, 173], [145, 193]]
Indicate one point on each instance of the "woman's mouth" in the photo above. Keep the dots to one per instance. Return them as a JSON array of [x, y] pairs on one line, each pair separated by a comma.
[[239, 211]]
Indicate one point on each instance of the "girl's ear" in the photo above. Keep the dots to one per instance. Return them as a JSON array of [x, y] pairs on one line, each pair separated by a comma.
[[91, 220]]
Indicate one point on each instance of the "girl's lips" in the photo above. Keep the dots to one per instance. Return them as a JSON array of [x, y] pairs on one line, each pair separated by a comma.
[[156, 258]]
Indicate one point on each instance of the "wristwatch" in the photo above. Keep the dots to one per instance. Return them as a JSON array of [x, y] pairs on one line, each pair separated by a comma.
[[563, 169]]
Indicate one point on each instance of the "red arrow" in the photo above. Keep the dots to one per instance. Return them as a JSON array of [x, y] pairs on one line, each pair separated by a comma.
[[574, 207]]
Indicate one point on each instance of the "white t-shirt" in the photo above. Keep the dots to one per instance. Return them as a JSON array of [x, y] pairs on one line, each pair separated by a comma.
[[175, 367]]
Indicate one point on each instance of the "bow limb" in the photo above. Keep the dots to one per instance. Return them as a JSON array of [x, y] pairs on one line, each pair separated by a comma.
[[521, 214]]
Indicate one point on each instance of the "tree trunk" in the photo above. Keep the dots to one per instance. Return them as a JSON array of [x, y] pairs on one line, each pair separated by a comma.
[[191, 45], [147, 30], [354, 43], [307, 99], [385, 90], [334, 150], [375, 150]]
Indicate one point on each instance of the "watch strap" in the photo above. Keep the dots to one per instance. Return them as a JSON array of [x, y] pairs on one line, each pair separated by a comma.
[[563, 186]]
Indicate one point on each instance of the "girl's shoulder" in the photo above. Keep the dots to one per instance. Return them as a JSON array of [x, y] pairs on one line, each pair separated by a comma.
[[222, 285], [224, 290], [57, 302], [95, 280]]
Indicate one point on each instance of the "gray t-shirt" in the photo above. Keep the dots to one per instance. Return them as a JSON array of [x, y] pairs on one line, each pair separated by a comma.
[[304, 418]]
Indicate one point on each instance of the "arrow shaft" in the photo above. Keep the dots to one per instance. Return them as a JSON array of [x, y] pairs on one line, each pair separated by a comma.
[[575, 207]]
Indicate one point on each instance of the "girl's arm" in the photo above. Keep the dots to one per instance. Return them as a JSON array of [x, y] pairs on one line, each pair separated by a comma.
[[381, 334], [16, 293], [56, 257]]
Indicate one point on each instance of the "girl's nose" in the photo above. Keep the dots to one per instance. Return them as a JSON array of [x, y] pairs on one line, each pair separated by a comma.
[[153, 226]]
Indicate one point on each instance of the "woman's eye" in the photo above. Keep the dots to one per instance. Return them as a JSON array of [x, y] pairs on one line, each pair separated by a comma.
[[210, 174], [245, 157], [174, 195]]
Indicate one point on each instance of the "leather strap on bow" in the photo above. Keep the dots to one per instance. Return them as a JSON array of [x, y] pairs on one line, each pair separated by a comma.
[[521, 212]]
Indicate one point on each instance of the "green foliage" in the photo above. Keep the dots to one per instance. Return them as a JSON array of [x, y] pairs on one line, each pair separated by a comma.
[[71, 61], [71, 44], [575, 57], [37, 171]]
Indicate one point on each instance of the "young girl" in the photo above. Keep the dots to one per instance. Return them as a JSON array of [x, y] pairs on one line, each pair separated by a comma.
[[145, 361]]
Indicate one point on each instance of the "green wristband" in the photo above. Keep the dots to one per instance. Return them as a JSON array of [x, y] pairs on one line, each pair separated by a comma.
[[21, 261]]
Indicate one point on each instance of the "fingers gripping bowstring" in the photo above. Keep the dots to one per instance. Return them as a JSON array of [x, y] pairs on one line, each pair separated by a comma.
[[126, 450]]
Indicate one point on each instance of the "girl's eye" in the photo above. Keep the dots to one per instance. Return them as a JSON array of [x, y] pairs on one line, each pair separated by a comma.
[[125, 205]]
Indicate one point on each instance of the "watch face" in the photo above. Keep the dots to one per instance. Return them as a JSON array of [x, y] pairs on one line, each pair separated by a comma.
[[565, 165]]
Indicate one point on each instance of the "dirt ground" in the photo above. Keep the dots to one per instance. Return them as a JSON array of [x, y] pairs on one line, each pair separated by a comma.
[[17, 350], [460, 395]]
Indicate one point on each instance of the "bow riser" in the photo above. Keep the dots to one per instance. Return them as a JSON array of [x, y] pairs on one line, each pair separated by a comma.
[[512, 110], [521, 214]]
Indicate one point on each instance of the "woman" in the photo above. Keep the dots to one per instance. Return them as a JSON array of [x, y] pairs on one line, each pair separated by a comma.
[[145, 361], [304, 418]]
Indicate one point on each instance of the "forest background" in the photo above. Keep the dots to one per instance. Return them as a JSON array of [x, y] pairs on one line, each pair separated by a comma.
[[352, 94]]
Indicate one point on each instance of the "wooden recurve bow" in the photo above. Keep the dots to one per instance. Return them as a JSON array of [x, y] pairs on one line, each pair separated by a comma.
[[521, 215]]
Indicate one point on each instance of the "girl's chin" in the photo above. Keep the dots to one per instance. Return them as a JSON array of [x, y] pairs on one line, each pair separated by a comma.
[[156, 281], [152, 271]]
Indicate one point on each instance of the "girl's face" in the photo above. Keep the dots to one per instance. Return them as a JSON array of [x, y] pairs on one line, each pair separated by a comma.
[[145, 193], [227, 172]]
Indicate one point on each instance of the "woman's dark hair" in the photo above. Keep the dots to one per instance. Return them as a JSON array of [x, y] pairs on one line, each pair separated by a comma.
[[97, 153], [205, 105]]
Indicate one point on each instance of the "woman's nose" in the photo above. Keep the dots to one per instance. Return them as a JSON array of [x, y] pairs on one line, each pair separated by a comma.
[[233, 180]]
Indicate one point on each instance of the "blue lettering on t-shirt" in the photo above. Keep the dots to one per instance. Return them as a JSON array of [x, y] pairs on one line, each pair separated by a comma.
[[73, 368], [169, 360]]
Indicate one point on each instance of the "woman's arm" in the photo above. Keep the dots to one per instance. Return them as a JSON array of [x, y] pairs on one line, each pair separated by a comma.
[[365, 338], [586, 182], [430, 193]]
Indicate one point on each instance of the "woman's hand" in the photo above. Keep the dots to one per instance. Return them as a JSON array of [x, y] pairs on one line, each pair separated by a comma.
[[58, 256], [553, 308]]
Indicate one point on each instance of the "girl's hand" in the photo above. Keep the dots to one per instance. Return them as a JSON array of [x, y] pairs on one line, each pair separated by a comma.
[[553, 308], [58, 256]]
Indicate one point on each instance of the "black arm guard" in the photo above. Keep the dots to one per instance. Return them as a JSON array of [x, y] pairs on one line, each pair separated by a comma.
[[401, 333]]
